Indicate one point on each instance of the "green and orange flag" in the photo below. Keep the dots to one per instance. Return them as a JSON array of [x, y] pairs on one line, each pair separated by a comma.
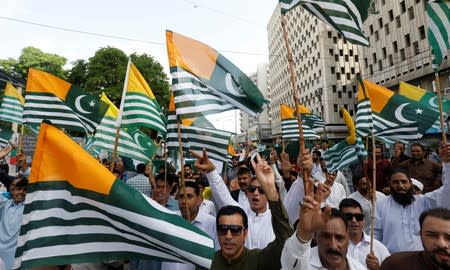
[[424, 97], [289, 123], [140, 105], [399, 110], [65, 105], [205, 82], [11, 109], [77, 211]]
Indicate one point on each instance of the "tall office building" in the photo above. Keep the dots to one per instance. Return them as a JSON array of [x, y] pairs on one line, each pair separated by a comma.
[[257, 128], [399, 49], [325, 69]]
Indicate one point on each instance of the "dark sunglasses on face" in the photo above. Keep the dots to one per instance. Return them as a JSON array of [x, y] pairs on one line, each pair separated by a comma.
[[252, 189], [222, 229], [358, 217]]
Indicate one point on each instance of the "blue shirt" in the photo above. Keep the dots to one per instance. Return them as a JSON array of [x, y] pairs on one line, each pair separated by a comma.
[[10, 221]]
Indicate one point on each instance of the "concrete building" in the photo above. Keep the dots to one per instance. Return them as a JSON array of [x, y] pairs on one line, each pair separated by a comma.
[[399, 49], [326, 67], [257, 128]]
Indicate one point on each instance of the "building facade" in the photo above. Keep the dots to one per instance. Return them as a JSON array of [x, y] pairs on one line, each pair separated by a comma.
[[325, 67]]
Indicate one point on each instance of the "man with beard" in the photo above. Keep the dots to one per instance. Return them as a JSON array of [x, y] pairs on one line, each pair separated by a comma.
[[434, 232], [363, 195], [422, 169], [397, 215]]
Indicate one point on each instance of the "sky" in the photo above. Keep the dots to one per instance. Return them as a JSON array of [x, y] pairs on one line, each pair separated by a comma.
[[235, 28]]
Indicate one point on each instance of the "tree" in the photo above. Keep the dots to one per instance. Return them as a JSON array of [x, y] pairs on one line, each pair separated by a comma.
[[106, 73], [77, 74], [33, 57]]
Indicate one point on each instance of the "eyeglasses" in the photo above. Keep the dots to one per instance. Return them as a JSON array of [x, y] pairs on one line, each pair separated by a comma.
[[252, 189], [349, 216], [236, 230]]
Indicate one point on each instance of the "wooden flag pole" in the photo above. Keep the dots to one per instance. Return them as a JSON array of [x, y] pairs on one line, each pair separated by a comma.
[[441, 115], [373, 198], [307, 185], [20, 146], [183, 186]]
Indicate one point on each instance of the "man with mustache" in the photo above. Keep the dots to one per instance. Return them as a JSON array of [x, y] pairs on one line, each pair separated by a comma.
[[397, 215], [330, 229], [434, 233]]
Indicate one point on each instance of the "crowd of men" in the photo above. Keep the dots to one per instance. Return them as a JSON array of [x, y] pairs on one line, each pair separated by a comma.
[[262, 214]]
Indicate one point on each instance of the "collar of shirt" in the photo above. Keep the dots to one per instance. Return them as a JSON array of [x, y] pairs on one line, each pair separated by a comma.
[[365, 240], [252, 214]]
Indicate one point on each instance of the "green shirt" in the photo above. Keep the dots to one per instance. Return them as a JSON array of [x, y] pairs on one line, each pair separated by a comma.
[[261, 259]]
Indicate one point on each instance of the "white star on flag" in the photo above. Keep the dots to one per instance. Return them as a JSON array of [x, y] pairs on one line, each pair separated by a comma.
[[92, 103], [419, 111]]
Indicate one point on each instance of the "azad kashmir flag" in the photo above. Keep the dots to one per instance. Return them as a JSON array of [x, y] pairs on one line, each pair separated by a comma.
[[383, 129], [205, 82], [289, 125], [424, 97], [5, 135], [66, 106], [133, 143], [309, 119], [348, 151], [197, 134], [77, 211], [398, 109], [438, 19], [346, 16], [140, 106], [11, 109]]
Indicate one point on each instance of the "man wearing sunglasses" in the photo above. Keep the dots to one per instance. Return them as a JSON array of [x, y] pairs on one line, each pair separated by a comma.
[[359, 244], [233, 225]]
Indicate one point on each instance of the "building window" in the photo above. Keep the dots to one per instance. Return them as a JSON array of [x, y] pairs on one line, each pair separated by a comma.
[[394, 44], [329, 34], [398, 22], [334, 88], [374, 57], [352, 70], [346, 58], [383, 50], [391, 15], [407, 40], [332, 70], [371, 29], [380, 23], [391, 60], [403, 6], [377, 37], [338, 76], [422, 32], [365, 62], [339, 94], [356, 58], [411, 13], [386, 29], [380, 65], [335, 40], [416, 48], [336, 57], [335, 108], [348, 76], [341, 52], [350, 52], [331, 52], [402, 55], [344, 88], [349, 94], [371, 70]]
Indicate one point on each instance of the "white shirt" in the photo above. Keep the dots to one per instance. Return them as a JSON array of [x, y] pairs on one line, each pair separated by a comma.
[[336, 195], [260, 231], [397, 227], [208, 207], [296, 255], [366, 207], [206, 223], [360, 251], [340, 178]]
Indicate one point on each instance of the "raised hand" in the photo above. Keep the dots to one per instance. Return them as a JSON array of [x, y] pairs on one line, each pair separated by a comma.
[[304, 161], [266, 177], [285, 163], [311, 218], [444, 152], [202, 162]]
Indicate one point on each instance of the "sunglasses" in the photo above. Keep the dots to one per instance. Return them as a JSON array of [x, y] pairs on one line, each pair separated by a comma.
[[236, 230], [252, 189], [358, 217]]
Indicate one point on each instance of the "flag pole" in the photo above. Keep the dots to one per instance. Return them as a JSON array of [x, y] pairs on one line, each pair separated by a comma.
[[307, 185], [183, 186], [373, 197], [19, 149], [441, 116], [119, 117]]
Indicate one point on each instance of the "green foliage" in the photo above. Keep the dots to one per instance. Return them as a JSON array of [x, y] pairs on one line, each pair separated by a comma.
[[77, 75], [33, 57]]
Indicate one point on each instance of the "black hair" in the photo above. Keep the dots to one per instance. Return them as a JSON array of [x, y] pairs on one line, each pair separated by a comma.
[[356, 178], [349, 202], [171, 178], [140, 168], [192, 184], [187, 165], [318, 153], [335, 213], [417, 144], [23, 181], [441, 213], [244, 170], [401, 170], [231, 210]]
